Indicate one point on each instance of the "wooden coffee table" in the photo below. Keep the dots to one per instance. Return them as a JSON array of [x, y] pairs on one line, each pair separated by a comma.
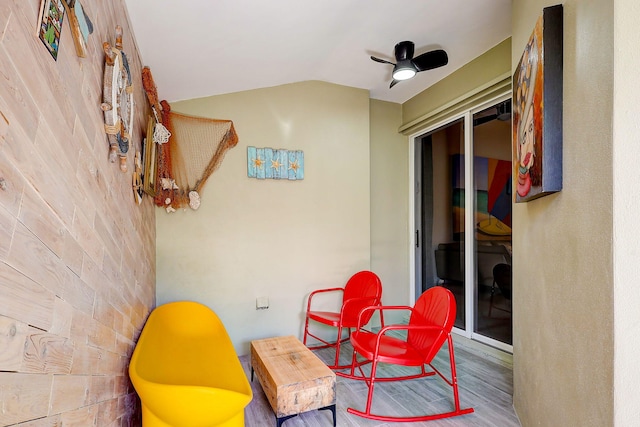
[[292, 377]]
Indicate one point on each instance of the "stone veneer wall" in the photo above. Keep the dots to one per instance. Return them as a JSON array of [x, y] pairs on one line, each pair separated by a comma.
[[77, 255]]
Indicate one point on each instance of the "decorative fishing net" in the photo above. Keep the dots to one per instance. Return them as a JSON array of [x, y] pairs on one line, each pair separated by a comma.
[[194, 150]]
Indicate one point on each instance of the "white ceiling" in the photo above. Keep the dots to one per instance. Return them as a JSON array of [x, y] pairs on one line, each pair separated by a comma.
[[198, 48]]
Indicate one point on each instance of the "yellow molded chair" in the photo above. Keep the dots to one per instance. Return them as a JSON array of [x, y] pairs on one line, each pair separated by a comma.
[[186, 371]]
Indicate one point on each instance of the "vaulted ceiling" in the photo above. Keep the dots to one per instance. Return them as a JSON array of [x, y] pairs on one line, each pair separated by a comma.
[[198, 48]]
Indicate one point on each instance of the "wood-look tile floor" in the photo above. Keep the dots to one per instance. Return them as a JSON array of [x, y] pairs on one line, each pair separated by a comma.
[[484, 384]]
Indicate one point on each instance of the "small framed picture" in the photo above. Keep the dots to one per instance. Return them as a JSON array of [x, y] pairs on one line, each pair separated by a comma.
[[79, 24], [50, 25]]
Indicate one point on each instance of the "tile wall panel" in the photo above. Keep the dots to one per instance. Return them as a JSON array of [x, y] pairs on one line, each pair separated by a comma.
[[77, 255]]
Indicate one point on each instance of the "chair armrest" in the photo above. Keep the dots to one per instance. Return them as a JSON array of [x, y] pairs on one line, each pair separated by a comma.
[[382, 308], [320, 291], [385, 329], [407, 328]]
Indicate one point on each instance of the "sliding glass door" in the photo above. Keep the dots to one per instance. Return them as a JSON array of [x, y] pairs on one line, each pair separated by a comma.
[[463, 218]]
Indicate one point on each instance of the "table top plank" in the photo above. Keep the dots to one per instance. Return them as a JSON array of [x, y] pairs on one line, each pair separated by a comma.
[[289, 362]]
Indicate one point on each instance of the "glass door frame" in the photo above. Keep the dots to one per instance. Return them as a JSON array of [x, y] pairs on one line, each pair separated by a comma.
[[469, 220]]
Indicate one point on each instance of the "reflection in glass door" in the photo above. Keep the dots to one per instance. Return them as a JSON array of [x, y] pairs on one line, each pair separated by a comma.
[[440, 243], [492, 220], [480, 279]]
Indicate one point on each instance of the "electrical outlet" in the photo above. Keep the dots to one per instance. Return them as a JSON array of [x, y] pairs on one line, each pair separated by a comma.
[[262, 303]]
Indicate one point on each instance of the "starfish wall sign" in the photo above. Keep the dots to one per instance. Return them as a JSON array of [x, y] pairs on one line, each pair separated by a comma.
[[267, 163]]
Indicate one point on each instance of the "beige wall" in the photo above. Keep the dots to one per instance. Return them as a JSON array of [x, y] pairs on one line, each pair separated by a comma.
[[389, 205], [626, 233], [77, 264], [563, 273], [274, 238]]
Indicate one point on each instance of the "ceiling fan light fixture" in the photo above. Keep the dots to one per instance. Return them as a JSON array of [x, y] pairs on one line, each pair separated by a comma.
[[407, 66], [404, 70]]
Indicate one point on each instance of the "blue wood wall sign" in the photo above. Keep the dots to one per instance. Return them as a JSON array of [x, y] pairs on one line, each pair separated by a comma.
[[267, 163]]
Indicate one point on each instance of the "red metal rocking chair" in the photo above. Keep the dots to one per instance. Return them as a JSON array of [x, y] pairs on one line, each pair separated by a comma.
[[430, 324], [363, 289]]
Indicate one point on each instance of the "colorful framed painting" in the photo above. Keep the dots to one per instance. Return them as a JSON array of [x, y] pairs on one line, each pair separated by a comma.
[[50, 25], [537, 111]]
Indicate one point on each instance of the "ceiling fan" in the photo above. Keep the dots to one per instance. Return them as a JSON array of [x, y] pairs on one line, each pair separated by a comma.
[[407, 66]]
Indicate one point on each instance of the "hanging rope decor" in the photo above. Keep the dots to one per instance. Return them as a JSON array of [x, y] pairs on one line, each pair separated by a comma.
[[190, 149]]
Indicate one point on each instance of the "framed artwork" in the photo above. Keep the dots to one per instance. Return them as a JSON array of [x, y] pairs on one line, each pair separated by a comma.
[[50, 25], [537, 111], [267, 163], [150, 164]]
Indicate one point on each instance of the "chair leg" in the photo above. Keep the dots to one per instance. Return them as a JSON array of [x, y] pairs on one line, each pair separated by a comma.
[[306, 330], [338, 345], [371, 384], [307, 334], [454, 375], [493, 287], [325, 344], [354, 360], [337, 362]]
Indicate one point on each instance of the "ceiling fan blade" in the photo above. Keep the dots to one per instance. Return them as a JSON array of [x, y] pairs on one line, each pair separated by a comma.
[[404, 50], [384, 61], [430, 60], [393, 83]]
